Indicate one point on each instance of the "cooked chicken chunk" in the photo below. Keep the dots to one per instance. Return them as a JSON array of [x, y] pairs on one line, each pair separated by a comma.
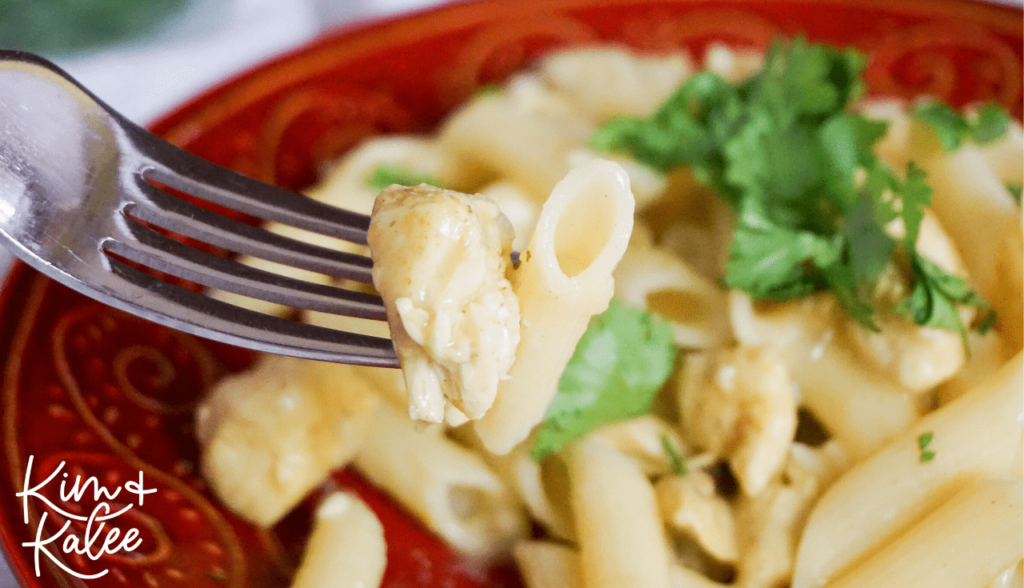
[[439, 264], [769, 524], [271, 434], [740, 405], [690, 505], [917, 358]]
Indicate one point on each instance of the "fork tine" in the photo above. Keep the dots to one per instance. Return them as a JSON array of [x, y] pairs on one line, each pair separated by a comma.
[[167, 255], [182, 309], [194, 175], [174, 214]]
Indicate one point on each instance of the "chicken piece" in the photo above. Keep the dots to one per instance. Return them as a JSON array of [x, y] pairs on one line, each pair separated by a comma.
[[769, 524], [439, 264], [271, 434], [689, 504], [346, 548], [740, 404], [917, 358]]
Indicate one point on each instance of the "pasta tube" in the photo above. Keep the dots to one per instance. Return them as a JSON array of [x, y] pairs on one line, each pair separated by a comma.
[[964, 544], [346, 548], [978, 434], [861, 409], [976, 209], [544, 564], [447, 486], [564, 278], [622, 541]]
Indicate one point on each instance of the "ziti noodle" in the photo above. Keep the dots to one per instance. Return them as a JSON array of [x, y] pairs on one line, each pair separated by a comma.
[[757, 331]]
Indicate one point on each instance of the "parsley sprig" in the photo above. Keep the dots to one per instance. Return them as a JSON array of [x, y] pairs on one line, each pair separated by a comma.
[[812, 200]]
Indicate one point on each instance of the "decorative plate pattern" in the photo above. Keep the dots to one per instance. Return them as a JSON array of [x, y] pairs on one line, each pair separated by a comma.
[[95, 392]]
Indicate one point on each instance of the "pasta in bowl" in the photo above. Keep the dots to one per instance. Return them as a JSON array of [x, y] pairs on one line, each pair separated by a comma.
[[573, 407], [698, 436]]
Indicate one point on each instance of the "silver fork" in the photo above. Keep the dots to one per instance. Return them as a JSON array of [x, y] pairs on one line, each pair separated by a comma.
[[75, 182]]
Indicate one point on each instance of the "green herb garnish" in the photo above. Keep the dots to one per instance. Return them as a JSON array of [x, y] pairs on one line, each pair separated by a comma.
[[1015, 191], [986, 323], [386, 175], [923, 441], [675, 459], [621, 361], [952, 128], [488, 91], [218, 576], [812, 200]]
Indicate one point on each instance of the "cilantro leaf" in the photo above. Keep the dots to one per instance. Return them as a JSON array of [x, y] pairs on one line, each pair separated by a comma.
[[916, 195], [986, 323], [812, 199], [992, 123], [932, 302], [923, 441], [387, 175], [621, 361], [683, 130], [675, 459], [870, 247], [488, 91], [949, 126], [952, 128], [1015, 190], [770, 262]]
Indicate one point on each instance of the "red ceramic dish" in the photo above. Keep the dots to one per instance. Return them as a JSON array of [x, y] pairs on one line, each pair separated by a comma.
[[111, 395]]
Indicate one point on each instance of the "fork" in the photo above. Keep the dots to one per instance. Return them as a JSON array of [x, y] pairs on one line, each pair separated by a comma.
[[77, 199]]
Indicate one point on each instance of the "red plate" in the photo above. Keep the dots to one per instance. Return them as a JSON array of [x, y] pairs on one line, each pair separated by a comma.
[[111, 395]]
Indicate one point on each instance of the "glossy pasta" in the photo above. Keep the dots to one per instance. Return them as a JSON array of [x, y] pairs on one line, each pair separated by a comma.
[[790, 447]]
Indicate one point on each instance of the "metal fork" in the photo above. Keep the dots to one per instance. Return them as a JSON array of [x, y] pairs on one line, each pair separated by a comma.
[[75, 182]]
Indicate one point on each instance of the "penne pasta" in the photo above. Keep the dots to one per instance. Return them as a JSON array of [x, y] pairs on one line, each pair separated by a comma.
[[447, 486], [1006, 155], [542, 487], [655, 280], [564, 278], [976, 209], [622, 542], [962, 544], [545, 564], [506, 138], [859, 408], [606, 82], [346, 548], [977, 434]]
